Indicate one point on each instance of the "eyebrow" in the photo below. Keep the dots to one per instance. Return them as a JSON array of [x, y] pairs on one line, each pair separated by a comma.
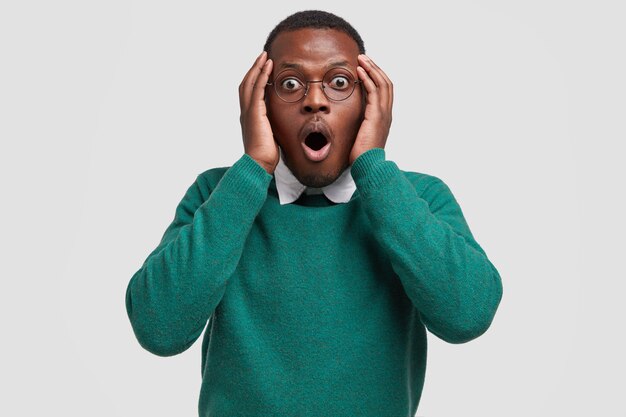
[[293, 65]]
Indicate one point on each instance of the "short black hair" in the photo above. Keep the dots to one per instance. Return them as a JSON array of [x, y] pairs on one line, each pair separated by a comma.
[[316, 19]]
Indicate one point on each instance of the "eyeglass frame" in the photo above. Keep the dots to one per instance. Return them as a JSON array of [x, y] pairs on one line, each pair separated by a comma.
[[306, 91]]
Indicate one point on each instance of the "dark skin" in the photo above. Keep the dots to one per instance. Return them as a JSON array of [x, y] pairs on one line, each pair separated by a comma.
[[358, 124]]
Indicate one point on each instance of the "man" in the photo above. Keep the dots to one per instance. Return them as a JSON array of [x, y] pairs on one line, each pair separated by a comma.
[[317, 262]]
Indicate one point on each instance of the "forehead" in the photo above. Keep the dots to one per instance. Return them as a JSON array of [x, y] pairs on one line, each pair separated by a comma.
[[312, 49]]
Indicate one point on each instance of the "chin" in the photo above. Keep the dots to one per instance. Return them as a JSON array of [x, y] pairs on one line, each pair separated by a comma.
[[317, 176], [317, 180]]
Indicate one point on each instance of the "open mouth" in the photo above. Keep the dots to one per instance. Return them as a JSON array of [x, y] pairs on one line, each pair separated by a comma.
[[316, 146], [315, 141]]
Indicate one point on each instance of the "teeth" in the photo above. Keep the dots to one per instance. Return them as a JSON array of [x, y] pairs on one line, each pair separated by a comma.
[[315, 141]]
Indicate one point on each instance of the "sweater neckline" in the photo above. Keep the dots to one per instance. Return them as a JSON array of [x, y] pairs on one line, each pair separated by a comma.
[[309, 200]]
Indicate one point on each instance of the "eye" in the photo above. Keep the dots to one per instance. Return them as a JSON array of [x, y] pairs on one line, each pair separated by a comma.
[[290, 84], [340, 82]]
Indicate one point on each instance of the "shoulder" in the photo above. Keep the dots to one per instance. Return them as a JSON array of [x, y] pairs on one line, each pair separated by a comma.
[[207, 180], [213, 175], [442, 203], [433, 190], [422, 182]]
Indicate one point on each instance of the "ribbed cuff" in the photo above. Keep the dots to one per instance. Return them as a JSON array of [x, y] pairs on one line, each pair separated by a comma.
[[247, 178], [370, 170]]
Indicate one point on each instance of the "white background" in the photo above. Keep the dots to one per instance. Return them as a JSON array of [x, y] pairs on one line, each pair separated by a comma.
[[109, 110]]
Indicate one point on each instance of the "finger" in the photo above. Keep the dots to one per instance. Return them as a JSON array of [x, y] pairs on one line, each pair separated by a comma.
[[368, 83], [254, 69], [376, 95], [389, 84], [258, 91], [383, 83], [249, 79], [380, 71], [381, 79]]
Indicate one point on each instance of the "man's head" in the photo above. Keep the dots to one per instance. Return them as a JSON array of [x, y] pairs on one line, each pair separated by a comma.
[[316, 42]]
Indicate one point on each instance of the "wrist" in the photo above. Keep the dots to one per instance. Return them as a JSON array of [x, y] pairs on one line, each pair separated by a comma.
[[269, 169], [355, 155]]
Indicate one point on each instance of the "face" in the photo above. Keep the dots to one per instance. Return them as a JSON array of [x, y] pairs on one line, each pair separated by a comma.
[[315, 51]]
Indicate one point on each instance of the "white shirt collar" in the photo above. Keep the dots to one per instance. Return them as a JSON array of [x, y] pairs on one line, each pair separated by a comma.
[[289, 188]]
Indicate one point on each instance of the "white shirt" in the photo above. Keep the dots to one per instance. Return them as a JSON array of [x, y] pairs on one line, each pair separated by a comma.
[[289, 188]]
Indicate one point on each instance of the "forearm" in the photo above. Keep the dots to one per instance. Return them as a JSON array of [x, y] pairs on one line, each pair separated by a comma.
[[170, 298], [444, 272]]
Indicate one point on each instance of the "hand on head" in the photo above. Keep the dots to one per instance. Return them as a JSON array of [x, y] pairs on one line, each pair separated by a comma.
[[375, 127], [258, 138]]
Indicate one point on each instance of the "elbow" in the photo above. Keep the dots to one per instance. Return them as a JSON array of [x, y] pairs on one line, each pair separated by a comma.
[[476, 325], [155, 341], [149, 333], [159, 347], [473, 323], [465, 332], [460, 331]]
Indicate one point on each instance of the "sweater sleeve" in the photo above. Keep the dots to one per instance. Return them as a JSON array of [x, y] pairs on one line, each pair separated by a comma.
[[444, 271], [171, 297]]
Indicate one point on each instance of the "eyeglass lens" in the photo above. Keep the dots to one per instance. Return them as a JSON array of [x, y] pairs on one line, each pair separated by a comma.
[[338, 84]]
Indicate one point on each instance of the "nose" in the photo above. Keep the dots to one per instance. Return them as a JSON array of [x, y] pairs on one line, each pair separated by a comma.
[[315, 99]]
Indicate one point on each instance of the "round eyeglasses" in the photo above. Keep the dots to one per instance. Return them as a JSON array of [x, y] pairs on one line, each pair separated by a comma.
[[337, 84]]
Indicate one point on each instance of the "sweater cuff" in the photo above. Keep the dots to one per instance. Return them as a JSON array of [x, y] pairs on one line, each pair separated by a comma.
[[247, 178], [370, 170]]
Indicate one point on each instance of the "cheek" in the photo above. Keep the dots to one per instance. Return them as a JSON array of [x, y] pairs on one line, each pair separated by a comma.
[[357, 113], [281, 120]]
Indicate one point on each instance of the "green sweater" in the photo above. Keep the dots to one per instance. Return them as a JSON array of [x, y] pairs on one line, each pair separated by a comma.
[[316, 308]]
